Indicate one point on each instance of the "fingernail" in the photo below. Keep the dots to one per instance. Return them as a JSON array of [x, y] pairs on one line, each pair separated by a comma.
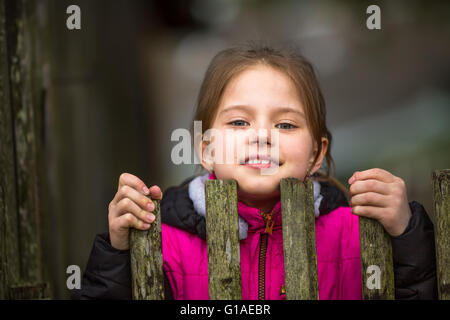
[[150, 217], [351, 180], [146, 191], [150, 206], [146, 225]]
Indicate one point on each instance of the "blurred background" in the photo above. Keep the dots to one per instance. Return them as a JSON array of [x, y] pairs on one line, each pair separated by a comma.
[[105, 100]]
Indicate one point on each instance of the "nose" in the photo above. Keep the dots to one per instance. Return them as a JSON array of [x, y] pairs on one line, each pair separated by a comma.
[[262, 136]]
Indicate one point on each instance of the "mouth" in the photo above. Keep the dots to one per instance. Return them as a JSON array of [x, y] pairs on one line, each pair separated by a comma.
[[259, 162]]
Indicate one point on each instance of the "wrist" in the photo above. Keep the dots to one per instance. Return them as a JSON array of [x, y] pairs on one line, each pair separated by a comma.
[[118, 244], [401, 225]]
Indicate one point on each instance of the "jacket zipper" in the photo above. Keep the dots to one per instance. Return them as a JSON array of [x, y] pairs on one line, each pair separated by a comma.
[[262, 254], [262, 266]]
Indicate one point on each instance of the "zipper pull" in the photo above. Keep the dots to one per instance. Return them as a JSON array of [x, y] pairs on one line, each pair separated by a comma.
[[269, 223], [268, 220], [283, 290]]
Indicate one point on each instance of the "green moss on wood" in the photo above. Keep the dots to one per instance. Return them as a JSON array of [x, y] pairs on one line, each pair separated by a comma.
[[441, 199], [299, 239], [222, 234], [376, 250], [146, 260], [9, 257]]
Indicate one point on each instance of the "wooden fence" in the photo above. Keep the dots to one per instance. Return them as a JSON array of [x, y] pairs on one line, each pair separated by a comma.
[[23, 264], [299, 245]]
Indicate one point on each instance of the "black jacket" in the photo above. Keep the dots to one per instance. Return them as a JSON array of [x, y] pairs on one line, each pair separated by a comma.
[[108, 275]]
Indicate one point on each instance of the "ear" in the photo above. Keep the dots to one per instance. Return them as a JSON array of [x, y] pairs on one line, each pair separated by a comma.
[[203, 156], [321, 156]]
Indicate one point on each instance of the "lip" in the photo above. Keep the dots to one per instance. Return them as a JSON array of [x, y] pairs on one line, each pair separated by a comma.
[[258, 165]]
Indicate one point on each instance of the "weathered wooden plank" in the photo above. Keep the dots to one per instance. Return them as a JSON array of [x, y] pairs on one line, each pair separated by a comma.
[[9, 242], [377, 265], [441, 200], [146, 260], [222, 236], [23, 103], [299, 239]]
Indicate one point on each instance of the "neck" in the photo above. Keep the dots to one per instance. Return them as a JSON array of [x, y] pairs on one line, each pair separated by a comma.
[[264, 204]]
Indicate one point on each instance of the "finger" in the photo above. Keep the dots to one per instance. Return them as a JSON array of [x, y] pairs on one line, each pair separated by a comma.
[[370, 185], [370, 199], [128, 205], [129, 220], [376, 173], [134, 182], [155, 192], [368, 211], [144, 202]]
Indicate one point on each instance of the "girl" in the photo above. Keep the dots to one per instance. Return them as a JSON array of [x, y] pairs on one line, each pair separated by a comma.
[[263, 88]]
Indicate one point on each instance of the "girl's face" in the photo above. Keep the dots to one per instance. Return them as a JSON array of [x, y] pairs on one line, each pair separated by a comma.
[[264, 98]]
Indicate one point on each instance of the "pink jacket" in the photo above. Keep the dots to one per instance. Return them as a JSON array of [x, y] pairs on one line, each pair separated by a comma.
[[338, 257]]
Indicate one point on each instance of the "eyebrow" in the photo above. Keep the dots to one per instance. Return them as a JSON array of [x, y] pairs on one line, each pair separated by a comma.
[[279, 110], [291, 110], [232, 108]]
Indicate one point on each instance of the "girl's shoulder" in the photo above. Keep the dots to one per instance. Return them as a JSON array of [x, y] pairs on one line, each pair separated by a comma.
[[178, 212], [337, 234], [340, 218], [332, 198], [177, 237], [336, 223]]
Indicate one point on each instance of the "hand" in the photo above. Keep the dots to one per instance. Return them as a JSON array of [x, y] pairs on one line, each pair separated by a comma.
[[378, 194], [130, 208]]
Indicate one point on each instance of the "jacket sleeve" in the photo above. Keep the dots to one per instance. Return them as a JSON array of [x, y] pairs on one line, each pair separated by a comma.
[[107, 274], [414, 258]]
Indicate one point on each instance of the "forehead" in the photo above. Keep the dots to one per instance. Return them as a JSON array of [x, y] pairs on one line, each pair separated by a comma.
[[263, 87]]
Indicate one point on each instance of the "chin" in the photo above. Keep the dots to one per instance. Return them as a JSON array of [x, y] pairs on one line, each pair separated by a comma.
[[259, 187]]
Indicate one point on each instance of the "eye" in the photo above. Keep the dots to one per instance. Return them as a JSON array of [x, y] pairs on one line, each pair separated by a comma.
[[239, 123], [285, 125]]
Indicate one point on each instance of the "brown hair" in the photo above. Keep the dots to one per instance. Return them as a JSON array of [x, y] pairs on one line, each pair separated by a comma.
[[230, 62]]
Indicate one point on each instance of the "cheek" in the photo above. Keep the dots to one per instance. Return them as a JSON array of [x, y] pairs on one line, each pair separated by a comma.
[[222, 148], [296, 150]]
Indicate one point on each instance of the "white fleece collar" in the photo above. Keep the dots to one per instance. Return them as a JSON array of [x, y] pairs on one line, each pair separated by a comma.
[[197, 195]]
